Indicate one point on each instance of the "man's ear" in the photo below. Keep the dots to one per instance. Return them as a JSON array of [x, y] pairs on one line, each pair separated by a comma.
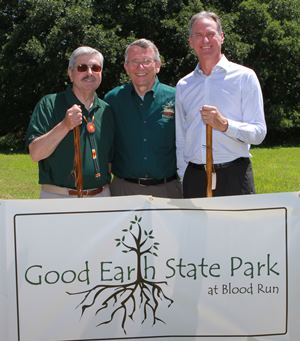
[[125, 67], [157, 66], [191, 43], [222, 37], [70, 75]]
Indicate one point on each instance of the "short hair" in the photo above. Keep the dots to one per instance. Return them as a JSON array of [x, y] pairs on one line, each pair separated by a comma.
[[84, 50], [208, 15], [143, 43]]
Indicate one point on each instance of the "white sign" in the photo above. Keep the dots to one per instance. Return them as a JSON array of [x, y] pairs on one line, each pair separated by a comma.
[[142, 267]]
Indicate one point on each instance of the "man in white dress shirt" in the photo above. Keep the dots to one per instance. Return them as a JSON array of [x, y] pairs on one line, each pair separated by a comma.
[[226, 96]]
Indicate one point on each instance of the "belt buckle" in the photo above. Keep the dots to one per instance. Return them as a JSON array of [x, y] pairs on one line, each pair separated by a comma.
[[139, 181], [212, 168], [143, 179], [82, 193]]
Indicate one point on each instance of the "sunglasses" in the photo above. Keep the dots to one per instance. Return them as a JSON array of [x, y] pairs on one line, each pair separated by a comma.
[[85, 67]]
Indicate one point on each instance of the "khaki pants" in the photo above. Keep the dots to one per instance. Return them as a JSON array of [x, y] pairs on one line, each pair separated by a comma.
[[44, 194]]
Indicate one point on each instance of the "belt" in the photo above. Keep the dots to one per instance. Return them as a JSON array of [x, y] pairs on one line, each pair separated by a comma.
[[219, 165], [72, 192], [151, 181], [86, 192]]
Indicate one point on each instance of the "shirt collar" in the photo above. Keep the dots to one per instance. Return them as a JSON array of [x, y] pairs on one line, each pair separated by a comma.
[[223, 63], [72, 99], [153, 90]]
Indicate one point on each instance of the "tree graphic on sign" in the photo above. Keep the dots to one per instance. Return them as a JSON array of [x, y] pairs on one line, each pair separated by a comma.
[[127, 298]]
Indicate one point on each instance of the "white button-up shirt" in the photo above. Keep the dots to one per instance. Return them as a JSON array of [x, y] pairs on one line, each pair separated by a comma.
[[235, 90]]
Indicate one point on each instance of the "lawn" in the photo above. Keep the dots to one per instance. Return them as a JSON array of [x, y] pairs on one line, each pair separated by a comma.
[[18, 177], [275, 170]]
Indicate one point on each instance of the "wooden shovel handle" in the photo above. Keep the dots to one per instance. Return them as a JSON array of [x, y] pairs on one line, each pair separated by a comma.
[[209, 160], [78, 162]]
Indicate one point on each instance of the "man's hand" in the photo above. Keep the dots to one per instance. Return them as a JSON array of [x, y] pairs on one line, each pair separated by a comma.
[[212, 116], [73, 117], [44, 145]]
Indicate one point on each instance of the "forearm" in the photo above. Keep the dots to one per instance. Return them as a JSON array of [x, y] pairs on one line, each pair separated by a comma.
[[250, 133], [43, 146]]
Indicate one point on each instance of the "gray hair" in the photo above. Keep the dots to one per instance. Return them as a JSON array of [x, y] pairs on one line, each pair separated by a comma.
[[208, 15], [143, 43], [84, 50]]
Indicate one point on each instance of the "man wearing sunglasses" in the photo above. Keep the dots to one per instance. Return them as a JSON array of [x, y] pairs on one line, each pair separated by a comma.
[[144, 159], [50, 137]]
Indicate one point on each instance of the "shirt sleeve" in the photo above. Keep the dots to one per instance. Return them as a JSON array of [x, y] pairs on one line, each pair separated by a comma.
[[180, 133], [252, 128], [41, 120]]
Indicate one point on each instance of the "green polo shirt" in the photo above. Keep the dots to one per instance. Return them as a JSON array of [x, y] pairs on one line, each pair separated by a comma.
[[57, 169], [144, 144]]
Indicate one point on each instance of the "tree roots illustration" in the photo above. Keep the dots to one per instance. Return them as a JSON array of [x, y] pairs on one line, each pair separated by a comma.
[[127, 298]]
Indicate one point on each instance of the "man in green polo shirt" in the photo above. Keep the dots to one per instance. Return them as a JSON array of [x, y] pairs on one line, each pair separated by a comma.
[[50, 137], [144, 160]]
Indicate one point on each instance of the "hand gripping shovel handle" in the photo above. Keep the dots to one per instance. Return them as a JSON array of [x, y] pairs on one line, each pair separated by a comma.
[[77, 162], [209, 160]]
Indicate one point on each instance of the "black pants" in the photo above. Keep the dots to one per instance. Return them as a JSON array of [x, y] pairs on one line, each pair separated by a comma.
[[236, 178]]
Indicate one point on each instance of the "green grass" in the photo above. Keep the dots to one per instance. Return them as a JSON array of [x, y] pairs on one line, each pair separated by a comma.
[[18, 177], [275, 170]]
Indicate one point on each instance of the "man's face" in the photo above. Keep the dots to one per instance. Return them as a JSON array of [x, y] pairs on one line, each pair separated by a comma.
[[84, 79], [205, 40], [141, 67]]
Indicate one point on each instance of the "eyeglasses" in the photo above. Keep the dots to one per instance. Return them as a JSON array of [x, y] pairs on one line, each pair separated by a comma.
[[84, 67], [208, 35], [145, 62]]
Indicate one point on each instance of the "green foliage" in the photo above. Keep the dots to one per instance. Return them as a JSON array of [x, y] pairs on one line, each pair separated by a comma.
[[272, 28], [38, 36]]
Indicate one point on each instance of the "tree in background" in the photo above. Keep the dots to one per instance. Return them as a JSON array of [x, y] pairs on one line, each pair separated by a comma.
[[271, 29], [34, 56], [37, 37]]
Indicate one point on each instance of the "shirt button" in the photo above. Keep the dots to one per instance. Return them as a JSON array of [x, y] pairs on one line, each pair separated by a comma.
[[145, 140], [145, 158], [145, 121]]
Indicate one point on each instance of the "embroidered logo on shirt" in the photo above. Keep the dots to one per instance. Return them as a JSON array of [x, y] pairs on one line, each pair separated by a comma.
[[168, 110]]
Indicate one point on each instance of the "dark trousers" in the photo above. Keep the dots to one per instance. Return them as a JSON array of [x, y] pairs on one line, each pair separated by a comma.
[[233, 178], [120, 187]]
